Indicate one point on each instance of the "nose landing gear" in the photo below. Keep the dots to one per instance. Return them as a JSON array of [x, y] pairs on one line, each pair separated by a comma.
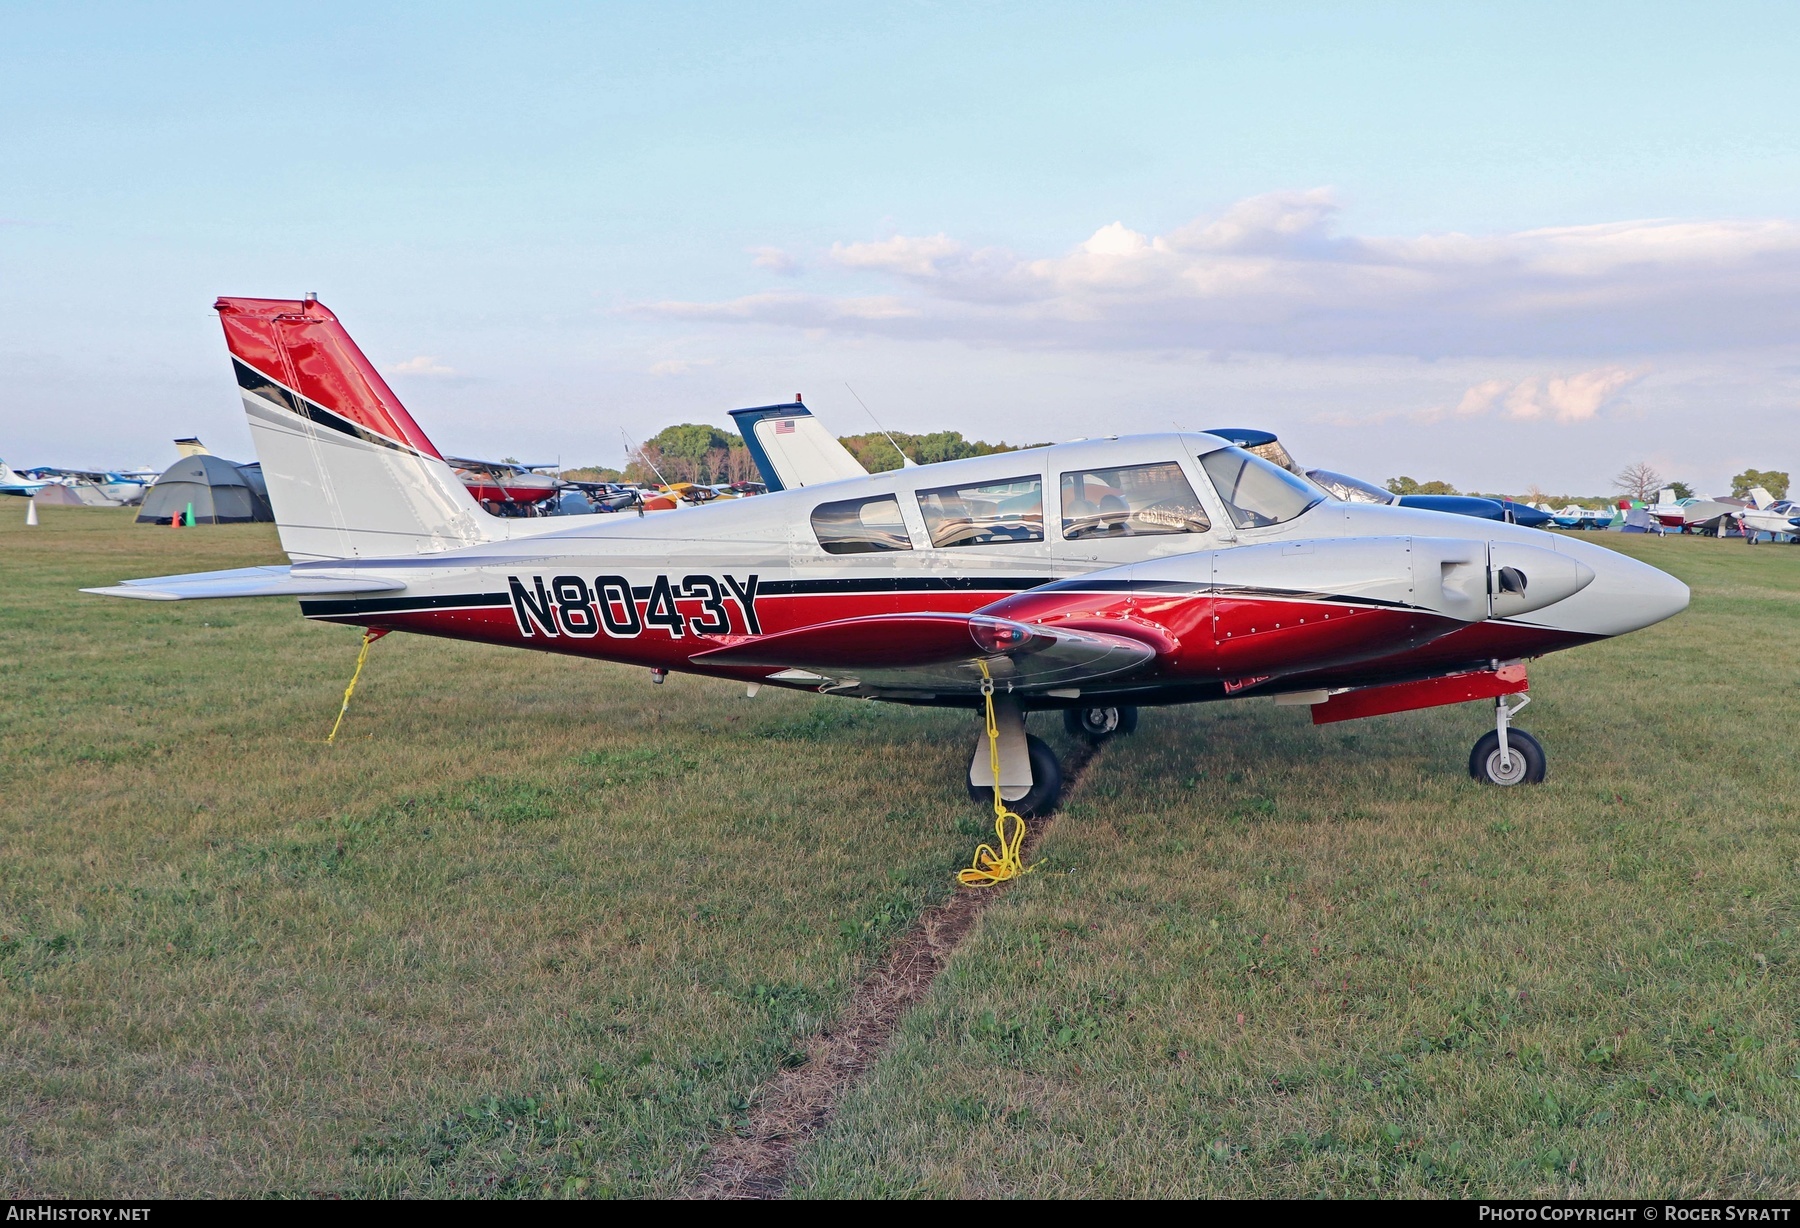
[[1507, 756], [1099, 724]]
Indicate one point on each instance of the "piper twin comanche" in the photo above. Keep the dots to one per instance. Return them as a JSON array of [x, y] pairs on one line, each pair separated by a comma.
[[1090, 577]]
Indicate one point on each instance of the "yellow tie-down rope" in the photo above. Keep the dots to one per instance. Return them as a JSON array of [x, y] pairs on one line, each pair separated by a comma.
[[991, 868], [362, 659]]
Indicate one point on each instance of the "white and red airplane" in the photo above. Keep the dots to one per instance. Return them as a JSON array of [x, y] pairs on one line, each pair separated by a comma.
[[1767, 514], [1089, 577]]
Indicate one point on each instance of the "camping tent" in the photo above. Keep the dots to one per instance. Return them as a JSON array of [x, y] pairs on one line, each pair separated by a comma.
[[221, 492], [54, 495]]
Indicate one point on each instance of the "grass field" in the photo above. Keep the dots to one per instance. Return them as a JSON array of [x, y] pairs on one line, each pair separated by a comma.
[[536, 927]]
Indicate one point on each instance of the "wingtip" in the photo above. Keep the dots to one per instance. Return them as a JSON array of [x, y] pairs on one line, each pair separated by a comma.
[[140, 594]]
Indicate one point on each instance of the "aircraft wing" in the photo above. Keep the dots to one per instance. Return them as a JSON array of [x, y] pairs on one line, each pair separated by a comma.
[[934, 654], [245, 582]]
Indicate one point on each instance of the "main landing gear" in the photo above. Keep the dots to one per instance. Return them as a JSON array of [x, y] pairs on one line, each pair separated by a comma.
[[1099, 724], [1030, 776], [1507, 756], [1028, 801]]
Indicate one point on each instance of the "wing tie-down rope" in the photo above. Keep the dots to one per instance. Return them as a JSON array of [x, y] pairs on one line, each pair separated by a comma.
[[362, 659], [992, 868]]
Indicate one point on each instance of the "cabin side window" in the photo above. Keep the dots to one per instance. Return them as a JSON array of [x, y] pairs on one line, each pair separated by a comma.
[[1132, 501], [1255, 492], [860, 526], [989, 514]]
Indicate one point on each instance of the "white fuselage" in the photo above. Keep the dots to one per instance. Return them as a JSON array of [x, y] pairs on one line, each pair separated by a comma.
[[772, 536]]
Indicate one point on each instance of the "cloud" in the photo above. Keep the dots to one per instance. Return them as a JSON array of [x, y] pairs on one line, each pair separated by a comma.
[[681, 366], [1564, 398], [940, 266], [774, 260], [796, 310], [1273, 274], [1481, 397], [1569, 398], [424, 364]]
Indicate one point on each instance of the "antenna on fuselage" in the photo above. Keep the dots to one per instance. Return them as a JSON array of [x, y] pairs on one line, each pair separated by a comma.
[[906, 462], [631, 448]]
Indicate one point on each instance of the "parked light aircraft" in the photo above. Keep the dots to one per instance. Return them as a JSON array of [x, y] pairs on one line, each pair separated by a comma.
[[17, 483], [97, 488], [1089, 577], [1690, 515], [1707, 516], [1357, 490], [1574, 516], [1767, 514]]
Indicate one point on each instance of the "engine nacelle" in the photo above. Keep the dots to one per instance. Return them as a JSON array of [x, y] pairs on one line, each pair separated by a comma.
[[1292, 607]]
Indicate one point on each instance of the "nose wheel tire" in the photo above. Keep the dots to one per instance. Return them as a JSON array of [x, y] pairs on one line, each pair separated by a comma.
[[1046, 784], [1528, 766], [1099, 724]]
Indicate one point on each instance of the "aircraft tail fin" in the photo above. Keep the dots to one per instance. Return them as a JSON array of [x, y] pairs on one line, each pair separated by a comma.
[[350, 474], [1760, 499], [792, 448]]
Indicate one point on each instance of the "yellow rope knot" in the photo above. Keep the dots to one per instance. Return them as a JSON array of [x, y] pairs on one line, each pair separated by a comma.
[[362, 659], [991, 867]]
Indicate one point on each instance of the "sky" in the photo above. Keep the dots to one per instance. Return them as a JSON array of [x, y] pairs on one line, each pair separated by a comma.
[[1498, 245]]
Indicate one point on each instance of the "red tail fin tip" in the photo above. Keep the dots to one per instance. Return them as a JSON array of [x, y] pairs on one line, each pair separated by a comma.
[[300, 344]]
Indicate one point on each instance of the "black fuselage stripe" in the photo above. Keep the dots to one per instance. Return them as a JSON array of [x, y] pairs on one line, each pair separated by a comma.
[[900, 584], [779, 588], [254, 381], [402, 605]]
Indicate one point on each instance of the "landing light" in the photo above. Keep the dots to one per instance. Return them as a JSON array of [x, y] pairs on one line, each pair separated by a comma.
[[993, 635]]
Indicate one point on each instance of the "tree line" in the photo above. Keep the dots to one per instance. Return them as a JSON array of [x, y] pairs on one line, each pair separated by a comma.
[[711, 455], [1638, 481]]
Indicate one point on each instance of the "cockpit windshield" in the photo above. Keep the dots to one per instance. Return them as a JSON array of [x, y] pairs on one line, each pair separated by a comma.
[[1347, 489], [1256, 492]]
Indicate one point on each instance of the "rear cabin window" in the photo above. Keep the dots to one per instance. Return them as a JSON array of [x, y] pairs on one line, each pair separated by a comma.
[[1133, 501], [860, 526], [994, 513], [1255, 492]]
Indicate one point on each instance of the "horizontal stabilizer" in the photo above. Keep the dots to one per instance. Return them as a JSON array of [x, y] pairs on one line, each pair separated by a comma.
[[936, 653], [246, 582]]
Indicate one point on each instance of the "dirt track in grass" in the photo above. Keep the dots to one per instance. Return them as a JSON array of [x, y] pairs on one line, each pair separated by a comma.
[[800, 1100]]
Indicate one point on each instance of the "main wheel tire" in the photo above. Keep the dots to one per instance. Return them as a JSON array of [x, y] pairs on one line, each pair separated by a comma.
[[1099, 724], [1528, 767], [1046, 783]]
